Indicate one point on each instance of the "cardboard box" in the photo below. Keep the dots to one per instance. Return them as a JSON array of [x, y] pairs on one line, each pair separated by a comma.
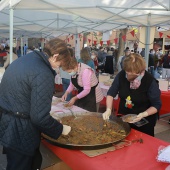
[[103, 78], [163, 84], [59, 166]]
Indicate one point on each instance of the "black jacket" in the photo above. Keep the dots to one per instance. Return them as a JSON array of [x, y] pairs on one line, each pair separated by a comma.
[[27, 87], [151, 61], [166, 61], [109, 65]]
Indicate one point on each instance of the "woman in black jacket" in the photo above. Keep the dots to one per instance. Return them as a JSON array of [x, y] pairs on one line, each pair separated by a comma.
[[26, 92], [138, 92]]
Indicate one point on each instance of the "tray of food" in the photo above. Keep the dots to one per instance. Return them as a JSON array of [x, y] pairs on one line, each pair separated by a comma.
[[90, 131], [128, 118]]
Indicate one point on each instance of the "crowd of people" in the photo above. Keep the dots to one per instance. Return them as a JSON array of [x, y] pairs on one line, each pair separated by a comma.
[[25, 106]]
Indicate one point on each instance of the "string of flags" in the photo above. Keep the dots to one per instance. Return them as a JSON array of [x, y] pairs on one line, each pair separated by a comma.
[[115, 40], [161, 35]]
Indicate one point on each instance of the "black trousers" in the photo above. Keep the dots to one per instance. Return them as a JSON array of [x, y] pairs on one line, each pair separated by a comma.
[[148, 128], [18, 161]]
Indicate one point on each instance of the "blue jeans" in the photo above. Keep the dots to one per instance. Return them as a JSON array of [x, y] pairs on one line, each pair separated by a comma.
[[66, 83], [152, 70]]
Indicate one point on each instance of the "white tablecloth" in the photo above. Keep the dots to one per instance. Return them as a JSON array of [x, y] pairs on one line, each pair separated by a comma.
[[58, 108], [104, 88]]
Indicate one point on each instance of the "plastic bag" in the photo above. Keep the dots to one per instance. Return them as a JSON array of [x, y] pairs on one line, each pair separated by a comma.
[[164, 154], [168, 167]]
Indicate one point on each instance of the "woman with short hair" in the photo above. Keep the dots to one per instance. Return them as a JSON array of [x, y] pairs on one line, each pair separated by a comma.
[[26, 92], [95, 60], [84, 79], [138, 92], [86, 58]]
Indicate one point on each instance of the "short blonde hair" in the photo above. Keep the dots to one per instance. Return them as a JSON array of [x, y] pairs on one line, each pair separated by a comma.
[[134, 63]]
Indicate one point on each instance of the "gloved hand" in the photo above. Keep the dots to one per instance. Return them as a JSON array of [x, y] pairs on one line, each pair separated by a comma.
[[140, 116], [106, 114], [66, 130]]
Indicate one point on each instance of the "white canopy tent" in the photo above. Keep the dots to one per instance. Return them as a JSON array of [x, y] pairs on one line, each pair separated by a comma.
[[47, 18]]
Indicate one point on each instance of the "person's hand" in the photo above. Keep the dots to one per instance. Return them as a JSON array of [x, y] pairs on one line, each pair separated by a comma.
[[66, 130], [139, 117], [72, 101], [106, 114], [64, 97]]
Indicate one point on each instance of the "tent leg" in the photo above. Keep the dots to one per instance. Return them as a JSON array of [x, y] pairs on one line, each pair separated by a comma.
[[147, 46], [77, 47], [147, 41], [11, 33]]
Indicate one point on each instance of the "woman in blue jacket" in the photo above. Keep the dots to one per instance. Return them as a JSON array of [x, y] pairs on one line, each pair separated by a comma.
[[26, 92]]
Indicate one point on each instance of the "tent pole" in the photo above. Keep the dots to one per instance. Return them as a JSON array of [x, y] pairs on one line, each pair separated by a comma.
[[22, 46], [77, 47], [147, 41], [11, 33]]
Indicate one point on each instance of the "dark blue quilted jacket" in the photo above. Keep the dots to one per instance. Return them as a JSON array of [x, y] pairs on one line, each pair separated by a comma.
[[27, 87]]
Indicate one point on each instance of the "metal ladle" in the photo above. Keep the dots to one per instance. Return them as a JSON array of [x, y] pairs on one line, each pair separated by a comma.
[[73, 113], [104, 124]]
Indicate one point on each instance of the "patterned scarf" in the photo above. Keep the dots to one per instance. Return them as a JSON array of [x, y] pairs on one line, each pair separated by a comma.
[[136, 83]]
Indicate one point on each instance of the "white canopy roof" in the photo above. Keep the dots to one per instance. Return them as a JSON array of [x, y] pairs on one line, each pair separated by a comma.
[[45, 18]]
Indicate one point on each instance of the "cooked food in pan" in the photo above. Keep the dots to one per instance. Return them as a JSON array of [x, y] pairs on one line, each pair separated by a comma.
[[91, 130]]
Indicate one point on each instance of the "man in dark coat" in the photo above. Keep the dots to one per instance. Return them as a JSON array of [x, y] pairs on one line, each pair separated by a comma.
[[108, 68], [26, 92], [151, 64]]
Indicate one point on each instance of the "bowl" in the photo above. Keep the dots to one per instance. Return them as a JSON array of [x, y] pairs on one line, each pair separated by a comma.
[[128, 118]]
